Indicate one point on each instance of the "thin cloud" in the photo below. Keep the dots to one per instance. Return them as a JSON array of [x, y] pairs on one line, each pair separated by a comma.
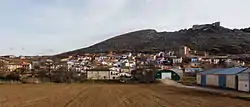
[[63, 25]]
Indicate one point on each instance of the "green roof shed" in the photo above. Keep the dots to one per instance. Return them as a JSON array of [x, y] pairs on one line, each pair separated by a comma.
[[167, 74]]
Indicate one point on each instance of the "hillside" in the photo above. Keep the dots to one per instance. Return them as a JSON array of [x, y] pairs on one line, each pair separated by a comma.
[[208, 37]]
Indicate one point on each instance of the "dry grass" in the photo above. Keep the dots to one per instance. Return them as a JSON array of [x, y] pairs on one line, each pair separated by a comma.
[[188, 80]]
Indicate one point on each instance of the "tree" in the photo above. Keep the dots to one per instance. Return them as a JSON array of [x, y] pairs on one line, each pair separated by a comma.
[[3, 67], [183, 69]]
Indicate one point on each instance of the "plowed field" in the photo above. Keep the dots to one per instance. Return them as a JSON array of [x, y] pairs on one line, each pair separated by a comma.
[[110, 95]]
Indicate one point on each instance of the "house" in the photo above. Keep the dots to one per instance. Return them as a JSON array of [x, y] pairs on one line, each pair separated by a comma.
[[118, 69], [143, 75], [128, 70], [194, 59], [196, 70], [192, 71], [244, 81], [35, 64], [184, 51], [13, 66], [114, 75], [9, 56], [130, 64], [98, 75], [27, 65], [161, 54], [177, 60], [70, 64], [22, 57], [64, 59], [103, 74], [221, 77], [194, 62]]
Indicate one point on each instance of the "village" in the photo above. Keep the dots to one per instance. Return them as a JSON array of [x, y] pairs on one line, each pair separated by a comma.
[[202, 68], [108, 78]]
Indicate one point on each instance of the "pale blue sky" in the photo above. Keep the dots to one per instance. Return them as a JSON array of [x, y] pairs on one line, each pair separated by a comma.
[[31, 27]]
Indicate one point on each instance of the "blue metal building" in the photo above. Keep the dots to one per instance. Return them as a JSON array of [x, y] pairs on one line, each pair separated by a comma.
[[228, 77], [206, 77], [221, 77]]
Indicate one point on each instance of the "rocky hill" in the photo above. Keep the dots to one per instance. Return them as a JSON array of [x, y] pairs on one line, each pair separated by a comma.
[[208, 37]]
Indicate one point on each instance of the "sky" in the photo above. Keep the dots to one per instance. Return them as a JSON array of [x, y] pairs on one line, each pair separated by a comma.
[[47, 27]]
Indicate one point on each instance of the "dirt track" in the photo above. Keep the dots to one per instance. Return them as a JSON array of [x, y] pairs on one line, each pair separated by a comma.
[[84, 95]]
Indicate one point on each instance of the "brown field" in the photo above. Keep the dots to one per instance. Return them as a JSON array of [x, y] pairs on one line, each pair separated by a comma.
[[110, 95]]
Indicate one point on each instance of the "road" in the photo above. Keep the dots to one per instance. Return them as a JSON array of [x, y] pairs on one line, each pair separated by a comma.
[[110, 95], [207, 89]]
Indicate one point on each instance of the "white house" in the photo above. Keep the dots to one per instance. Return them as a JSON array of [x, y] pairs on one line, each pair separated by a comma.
[[70, 64], [177, 60]]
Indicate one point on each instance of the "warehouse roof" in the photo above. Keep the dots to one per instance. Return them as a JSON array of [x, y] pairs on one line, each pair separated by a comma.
[[246, 71], [231, 71], [213, 71]]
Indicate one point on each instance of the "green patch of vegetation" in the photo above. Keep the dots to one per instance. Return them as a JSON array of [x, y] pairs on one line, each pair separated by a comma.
[[99, 69], [242, 98], [188, 80]]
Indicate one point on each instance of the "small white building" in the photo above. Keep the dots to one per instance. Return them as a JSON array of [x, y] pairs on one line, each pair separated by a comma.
[[103, 75], [177, 60], [98, 75], [130, 64], [244, 81]]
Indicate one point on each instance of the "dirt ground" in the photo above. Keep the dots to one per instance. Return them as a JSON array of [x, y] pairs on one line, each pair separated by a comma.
[[110, 95]]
